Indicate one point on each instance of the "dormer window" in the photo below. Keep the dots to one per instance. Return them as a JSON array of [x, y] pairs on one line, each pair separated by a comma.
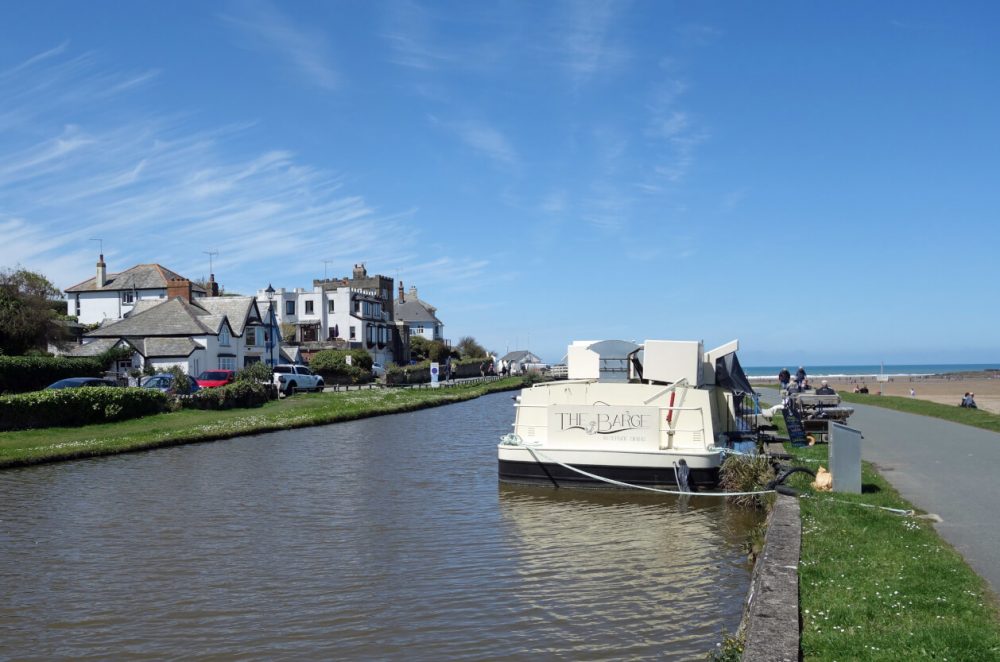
[[224, 337], [128, 297]]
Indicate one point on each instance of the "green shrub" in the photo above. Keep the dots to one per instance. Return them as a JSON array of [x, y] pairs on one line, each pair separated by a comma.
[[20, 374], [332, 365], [70, 407], [238, 395], [256, 372]]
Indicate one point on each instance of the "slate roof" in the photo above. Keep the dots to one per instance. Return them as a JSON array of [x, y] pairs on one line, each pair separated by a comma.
[[93, 348], [414, 310], [139, 277], [163, 347], [172, 317], [237, 309], [521, 355]]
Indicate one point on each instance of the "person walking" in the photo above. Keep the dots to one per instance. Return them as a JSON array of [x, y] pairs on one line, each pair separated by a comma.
[[783, 378]]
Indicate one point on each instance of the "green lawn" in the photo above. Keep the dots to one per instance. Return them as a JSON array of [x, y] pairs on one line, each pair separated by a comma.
[[187, 426], [879, 586]]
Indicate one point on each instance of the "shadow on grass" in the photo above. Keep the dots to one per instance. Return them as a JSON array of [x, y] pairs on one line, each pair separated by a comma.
[[869, 488]]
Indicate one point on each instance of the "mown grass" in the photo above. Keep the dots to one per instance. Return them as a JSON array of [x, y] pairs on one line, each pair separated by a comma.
[[974, 417], [189, 426], [879, 586]]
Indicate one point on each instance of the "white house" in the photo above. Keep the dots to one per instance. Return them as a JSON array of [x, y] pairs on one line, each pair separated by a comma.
[[354, 313], [419, 316], [202, 334], [113, 296]]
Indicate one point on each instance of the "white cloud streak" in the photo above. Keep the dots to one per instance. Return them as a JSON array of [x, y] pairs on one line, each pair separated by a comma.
[[586, 41], [267, 30], [157, 191]]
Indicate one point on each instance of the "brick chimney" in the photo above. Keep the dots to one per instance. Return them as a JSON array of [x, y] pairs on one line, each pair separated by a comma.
[[102, 272], [213, 287], [179, 287], [402, 297], [360, 271]]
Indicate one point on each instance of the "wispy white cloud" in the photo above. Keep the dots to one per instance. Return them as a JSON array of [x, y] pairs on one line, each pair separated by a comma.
[[482, 138], [410, 36], [157, 190], [264, 28], [586, 39]]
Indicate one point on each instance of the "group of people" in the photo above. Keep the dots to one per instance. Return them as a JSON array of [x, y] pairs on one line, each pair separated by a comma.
[[861, 388], [969, 400], [801, 382]]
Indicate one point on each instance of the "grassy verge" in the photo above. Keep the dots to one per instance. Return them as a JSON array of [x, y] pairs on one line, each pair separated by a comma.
[[187, 426], [877, 586], [974, 417]]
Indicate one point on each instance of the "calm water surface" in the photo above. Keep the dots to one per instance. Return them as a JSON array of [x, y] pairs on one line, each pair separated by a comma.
[[387, 538]]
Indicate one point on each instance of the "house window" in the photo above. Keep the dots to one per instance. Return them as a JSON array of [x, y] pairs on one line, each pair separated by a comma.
[[289, 307], [227, 363], [354, 333], [418, 329], [78, 305], [128, 297], [224, 337], [251, 336], [330, 305], [309, 307], [357, 306]]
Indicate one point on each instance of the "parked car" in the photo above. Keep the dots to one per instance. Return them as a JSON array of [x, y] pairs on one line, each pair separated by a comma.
[[76, 382], [292, 378], [213, 378], [378, 370], [163, 382]]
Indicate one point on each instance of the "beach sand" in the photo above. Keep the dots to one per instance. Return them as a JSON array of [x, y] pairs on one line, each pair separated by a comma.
[[945, 389]]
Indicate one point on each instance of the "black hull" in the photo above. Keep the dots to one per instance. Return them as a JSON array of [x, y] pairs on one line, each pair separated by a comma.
[[554, 474]]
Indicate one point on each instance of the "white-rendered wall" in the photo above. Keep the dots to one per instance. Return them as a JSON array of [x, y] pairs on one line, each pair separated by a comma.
[[672, 361], [582, 363]]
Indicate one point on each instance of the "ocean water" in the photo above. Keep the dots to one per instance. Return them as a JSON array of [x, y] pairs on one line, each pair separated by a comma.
[[894, 370]]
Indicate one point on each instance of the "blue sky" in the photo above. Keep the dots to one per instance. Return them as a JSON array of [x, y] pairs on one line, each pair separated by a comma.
[[819, 180]]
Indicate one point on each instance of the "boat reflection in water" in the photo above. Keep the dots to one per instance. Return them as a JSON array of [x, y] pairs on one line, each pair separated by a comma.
[[626, 574]]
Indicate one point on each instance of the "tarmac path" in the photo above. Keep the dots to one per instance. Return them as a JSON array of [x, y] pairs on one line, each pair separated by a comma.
[[944, 468]]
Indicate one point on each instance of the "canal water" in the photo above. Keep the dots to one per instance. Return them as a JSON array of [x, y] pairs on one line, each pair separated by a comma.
[[386, 538]]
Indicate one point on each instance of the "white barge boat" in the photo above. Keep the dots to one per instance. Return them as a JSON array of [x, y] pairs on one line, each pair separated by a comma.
[[660, 414]]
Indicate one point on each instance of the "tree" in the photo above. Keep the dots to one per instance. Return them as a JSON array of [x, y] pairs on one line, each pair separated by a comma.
[[28, 317], [422, 349], [468, 348]]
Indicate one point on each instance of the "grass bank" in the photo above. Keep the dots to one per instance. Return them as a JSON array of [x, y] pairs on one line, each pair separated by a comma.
[[189, 426], [977, 418], [878, 586]]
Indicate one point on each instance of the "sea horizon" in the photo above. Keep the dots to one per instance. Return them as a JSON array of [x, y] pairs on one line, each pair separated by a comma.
[[874, 369]]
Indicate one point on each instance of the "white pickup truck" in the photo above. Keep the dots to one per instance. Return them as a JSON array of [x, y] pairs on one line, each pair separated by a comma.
[[292, 378]]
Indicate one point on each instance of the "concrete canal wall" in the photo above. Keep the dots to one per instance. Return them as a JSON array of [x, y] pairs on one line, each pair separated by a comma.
[[771, 619]]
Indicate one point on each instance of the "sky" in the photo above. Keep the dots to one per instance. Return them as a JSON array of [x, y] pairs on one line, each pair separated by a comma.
[[819, 180]]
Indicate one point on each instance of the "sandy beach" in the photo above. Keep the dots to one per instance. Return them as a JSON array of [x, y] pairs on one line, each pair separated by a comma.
[[945, 389]]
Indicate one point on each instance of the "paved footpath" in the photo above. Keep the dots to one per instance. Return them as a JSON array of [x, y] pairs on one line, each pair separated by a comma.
[[944, 468]]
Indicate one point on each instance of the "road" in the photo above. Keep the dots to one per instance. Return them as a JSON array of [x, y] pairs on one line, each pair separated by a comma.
[[944, 468]]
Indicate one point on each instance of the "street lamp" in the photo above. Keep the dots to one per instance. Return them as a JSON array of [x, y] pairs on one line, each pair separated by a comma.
[[270, 322]]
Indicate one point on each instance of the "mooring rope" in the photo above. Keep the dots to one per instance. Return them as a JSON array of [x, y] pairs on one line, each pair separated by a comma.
[[611, 481]]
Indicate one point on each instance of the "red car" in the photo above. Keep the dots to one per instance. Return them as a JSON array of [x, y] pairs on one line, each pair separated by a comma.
[[211, 378]]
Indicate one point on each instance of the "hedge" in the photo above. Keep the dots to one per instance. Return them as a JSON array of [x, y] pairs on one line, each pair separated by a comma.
[[71, 407], [332, 365], [238, 395], [20, 374]]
